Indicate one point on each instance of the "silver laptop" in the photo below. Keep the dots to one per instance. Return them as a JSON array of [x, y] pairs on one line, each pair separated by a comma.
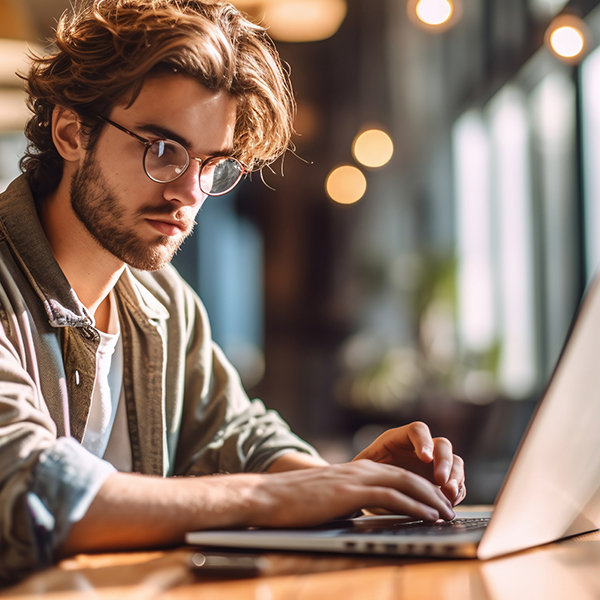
[[551, 491]]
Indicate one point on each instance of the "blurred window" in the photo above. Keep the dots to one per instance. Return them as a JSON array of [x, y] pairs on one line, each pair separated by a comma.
[[475, 294], [512, 198], [590, 94], [12, 147], [553, 111]]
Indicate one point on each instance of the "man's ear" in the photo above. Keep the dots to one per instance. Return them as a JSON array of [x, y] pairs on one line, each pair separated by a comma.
[[67, 134]]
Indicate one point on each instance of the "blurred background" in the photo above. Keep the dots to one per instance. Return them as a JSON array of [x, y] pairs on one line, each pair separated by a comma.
[[425, 250]]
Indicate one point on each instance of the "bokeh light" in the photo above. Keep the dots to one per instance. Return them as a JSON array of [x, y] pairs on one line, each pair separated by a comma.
[[566, 41], [346, 185], [373, 148], [434, 16], [567, 37], [434, 12], [303, 20]]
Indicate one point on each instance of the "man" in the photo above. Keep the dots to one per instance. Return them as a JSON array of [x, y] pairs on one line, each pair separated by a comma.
[[110, 383]]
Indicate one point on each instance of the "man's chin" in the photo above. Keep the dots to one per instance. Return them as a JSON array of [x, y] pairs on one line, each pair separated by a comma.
[[137, 252], [149, 264]]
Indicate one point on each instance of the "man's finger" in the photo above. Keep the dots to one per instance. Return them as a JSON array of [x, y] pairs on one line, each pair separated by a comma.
[[420, 437], [420, 489], [443, 460], [454, 488]]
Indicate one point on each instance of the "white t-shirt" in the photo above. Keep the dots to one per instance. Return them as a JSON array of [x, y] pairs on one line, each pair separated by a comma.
[[107, 433]]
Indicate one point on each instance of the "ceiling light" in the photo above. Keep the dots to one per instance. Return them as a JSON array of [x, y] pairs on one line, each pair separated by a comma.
[[346, 185], [298, 20], [434, 15], [567, 37], [434, 12], [566, 41], [373, 148]]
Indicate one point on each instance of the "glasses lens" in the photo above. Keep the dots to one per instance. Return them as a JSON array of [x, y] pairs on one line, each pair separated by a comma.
[[165, 160], [220, 175]]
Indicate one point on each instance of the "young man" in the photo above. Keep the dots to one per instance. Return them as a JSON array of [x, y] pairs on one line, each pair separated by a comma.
[[110, 385]]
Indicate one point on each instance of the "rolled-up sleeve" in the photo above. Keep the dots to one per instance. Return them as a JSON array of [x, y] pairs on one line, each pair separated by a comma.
[[46, 484], [41, 503]]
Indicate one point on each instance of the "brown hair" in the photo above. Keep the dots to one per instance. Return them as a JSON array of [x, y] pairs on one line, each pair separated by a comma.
[[105, 48]]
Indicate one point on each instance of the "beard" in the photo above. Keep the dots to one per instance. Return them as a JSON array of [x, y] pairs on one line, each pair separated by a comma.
[[102, 214]]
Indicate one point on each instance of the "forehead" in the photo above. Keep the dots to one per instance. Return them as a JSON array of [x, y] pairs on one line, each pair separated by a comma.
[[184, 106]]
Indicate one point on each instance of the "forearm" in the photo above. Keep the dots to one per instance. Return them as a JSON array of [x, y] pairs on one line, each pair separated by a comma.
[[139, 511], [293, 461], [136, 511]]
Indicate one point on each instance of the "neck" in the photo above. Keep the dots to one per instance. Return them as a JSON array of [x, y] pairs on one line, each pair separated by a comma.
[[91, 270]]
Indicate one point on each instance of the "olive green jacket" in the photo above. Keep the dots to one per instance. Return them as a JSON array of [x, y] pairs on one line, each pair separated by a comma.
[[187, 411]]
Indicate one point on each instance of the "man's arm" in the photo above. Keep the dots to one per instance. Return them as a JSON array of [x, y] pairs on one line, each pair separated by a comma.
[[299, 490], [134, 511]]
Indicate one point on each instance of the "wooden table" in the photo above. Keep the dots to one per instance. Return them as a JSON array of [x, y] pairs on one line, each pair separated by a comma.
[[566, 570]]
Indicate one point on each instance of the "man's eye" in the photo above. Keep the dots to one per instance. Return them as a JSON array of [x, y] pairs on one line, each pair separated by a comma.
[[162, 148]]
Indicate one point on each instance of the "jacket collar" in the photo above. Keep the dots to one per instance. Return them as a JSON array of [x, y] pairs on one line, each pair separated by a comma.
[[138, 297], [20, 224]]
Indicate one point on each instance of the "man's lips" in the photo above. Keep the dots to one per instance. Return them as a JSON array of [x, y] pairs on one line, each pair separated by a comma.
[[166, 227]]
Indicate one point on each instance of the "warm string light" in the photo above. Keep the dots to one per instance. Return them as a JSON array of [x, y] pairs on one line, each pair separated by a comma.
[[567, 41], [434, 15], [434, 12], [346, 185], [373, 148], [567, 38], [297, 20]]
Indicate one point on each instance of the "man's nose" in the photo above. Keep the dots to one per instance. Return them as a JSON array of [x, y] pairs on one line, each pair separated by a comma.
[[186, 189]]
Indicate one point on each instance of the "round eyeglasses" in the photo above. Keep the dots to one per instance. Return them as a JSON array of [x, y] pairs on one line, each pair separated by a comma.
[[166, 160]]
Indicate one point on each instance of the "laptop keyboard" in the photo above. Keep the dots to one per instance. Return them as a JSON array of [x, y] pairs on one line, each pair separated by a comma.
[[424, 528]]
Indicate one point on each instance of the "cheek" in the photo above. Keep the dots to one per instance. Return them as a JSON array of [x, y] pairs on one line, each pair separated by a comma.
[[121, 167], [128, 179]]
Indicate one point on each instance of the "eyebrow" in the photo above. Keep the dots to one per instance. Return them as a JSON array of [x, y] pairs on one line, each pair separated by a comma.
[[164, 132]]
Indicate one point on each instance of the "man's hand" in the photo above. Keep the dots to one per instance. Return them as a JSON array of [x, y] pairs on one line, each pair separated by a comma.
[[412, 447], [311, 496]]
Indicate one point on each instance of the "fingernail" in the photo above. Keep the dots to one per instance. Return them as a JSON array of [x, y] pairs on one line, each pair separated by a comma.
[[453, 485], [446, 472], [428, 452]]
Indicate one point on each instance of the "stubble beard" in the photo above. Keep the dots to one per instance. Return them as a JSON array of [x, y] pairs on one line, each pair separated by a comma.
[[97, 207]]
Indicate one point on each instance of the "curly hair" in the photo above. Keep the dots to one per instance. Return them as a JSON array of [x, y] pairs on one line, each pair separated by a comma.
[[104, 49]]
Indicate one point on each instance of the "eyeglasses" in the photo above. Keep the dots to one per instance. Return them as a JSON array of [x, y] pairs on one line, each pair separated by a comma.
[[166, 160]]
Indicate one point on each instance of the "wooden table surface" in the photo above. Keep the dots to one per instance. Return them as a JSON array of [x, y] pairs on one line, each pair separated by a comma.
[[566, 570]]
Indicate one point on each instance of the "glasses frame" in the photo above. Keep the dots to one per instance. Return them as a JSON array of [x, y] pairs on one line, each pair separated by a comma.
[[202, 162]]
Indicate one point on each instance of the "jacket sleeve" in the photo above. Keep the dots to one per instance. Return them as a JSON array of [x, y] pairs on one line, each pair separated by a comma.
[[222, 430], [46, 483]]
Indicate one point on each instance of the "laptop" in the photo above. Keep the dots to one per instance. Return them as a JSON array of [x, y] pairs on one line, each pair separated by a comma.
[[551, 491]]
